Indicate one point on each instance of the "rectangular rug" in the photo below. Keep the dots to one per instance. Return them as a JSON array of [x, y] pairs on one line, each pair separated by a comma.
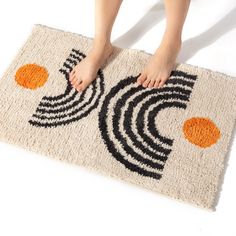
[[173, 140]]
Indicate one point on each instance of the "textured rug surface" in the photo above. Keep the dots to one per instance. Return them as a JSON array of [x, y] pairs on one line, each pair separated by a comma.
[[172, 140]]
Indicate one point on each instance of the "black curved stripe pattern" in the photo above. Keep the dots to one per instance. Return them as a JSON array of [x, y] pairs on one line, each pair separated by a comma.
[[127, 121], [71, 105]]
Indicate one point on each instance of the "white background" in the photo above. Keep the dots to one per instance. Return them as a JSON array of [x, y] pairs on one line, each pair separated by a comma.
[[42, 196]]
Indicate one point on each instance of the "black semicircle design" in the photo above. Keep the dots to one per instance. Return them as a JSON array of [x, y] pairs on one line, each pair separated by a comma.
[[70, 106], [127, 141]]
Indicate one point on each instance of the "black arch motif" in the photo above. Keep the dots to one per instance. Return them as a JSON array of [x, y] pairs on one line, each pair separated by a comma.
[[69, 106], [127, 121]]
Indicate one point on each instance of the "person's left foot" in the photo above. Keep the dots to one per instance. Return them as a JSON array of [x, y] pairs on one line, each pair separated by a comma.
[[161, 64]]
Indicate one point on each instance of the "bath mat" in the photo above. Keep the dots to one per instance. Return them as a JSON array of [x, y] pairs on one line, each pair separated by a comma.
[[171, 140]]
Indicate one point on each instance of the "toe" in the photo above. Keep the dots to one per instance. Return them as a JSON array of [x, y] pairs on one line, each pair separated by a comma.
[[71, 74], [164, 78], [78, 86], [74, 80], [157, 83], [146, 82], [83, 85], [77, 82], [151, 83], [141, 78], [162, 82]]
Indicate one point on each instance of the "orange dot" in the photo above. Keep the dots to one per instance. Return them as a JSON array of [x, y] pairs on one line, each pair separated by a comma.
[[31, 76], [201, 131]]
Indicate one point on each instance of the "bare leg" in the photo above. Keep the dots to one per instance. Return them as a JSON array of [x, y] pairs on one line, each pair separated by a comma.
[[86, 71], [163, 61]]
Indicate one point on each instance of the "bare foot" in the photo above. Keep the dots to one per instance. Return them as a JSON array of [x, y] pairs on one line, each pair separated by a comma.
[[160, 65], [85, 72]]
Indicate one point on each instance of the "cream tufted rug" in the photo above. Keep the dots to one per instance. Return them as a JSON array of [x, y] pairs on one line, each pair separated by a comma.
[[172, 140]]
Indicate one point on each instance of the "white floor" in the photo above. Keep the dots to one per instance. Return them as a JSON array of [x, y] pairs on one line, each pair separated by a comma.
[[41, 196]]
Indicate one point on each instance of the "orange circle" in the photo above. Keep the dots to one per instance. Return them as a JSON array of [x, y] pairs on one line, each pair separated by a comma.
[[201, 131], [31, 76]]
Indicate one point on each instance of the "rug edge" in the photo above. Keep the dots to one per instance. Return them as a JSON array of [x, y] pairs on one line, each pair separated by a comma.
[[37, 26]]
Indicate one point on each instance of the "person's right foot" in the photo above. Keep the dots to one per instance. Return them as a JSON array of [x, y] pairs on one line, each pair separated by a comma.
[[85, 72]]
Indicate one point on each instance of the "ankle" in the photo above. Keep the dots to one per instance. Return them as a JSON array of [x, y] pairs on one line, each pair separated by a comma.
[[101, 42], [172, 39], [172, 45], [100, 50]]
